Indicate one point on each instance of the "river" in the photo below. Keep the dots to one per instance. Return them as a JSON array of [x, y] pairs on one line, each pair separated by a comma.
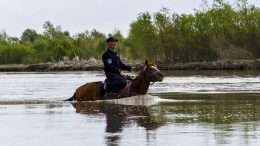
[[200, 108]]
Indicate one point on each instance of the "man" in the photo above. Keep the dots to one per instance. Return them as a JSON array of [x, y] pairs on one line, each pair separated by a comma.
[[113, 67]]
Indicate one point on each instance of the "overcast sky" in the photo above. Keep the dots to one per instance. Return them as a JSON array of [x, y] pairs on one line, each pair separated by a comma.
[[81, 15]]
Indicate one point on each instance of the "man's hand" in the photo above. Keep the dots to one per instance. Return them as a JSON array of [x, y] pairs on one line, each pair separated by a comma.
[[123, 75], [133, 68]]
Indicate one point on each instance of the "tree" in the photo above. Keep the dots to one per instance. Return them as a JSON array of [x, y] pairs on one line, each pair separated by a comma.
[[166, 35], [29, 35], [142, 37]]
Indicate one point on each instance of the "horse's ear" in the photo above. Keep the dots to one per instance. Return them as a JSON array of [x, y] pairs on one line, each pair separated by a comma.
[[153, 62], [146, 62]]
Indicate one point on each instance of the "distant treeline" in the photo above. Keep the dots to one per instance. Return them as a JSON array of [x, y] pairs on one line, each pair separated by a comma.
[[222, 31]]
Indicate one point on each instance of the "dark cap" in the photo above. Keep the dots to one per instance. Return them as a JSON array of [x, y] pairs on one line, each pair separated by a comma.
[[111, 39]]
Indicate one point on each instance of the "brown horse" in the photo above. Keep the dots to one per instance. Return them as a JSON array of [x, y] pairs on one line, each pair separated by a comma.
[[140, 85]]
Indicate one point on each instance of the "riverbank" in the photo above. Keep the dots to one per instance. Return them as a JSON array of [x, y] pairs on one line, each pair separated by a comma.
[[92, 64]]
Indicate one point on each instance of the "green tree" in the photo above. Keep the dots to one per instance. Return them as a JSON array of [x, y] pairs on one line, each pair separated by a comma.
[[29, 35], [142, 37]]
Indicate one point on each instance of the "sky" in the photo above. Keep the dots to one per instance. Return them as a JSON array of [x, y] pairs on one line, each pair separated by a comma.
[[77, 16]]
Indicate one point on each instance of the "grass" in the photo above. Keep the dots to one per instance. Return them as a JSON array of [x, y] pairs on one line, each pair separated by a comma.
[[12, 65]]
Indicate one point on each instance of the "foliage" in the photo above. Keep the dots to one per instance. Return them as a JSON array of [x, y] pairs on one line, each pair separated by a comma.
[[207, 35], [201, 36]]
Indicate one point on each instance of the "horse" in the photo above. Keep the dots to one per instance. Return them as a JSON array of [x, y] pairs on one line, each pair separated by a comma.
[[139, 85]]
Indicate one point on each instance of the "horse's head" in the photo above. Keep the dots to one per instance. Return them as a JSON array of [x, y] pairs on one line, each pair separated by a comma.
[[152, 73]]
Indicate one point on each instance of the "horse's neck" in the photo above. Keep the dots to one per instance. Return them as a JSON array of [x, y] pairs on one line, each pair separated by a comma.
[[140, 85]]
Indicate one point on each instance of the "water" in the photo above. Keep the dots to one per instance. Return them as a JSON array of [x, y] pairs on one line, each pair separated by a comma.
[[201, 108]]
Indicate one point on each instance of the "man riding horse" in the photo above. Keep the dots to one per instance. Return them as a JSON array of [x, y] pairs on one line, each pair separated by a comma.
[[113, 67], [116, 86]]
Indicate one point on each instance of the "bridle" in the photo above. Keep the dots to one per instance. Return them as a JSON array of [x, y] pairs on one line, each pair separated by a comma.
[[152, 75]]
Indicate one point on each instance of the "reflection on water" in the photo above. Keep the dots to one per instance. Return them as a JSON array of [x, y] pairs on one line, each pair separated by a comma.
[[178, 119], [215, 108], [212, 73], [209, 82], [118, 117], [62, 85], [223, 118], [201, 108]]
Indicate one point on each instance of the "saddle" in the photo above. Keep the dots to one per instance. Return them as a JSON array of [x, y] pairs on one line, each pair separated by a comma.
[[125, 92]]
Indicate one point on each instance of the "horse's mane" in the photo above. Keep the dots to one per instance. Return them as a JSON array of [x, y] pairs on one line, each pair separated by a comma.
[[142, 72]]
